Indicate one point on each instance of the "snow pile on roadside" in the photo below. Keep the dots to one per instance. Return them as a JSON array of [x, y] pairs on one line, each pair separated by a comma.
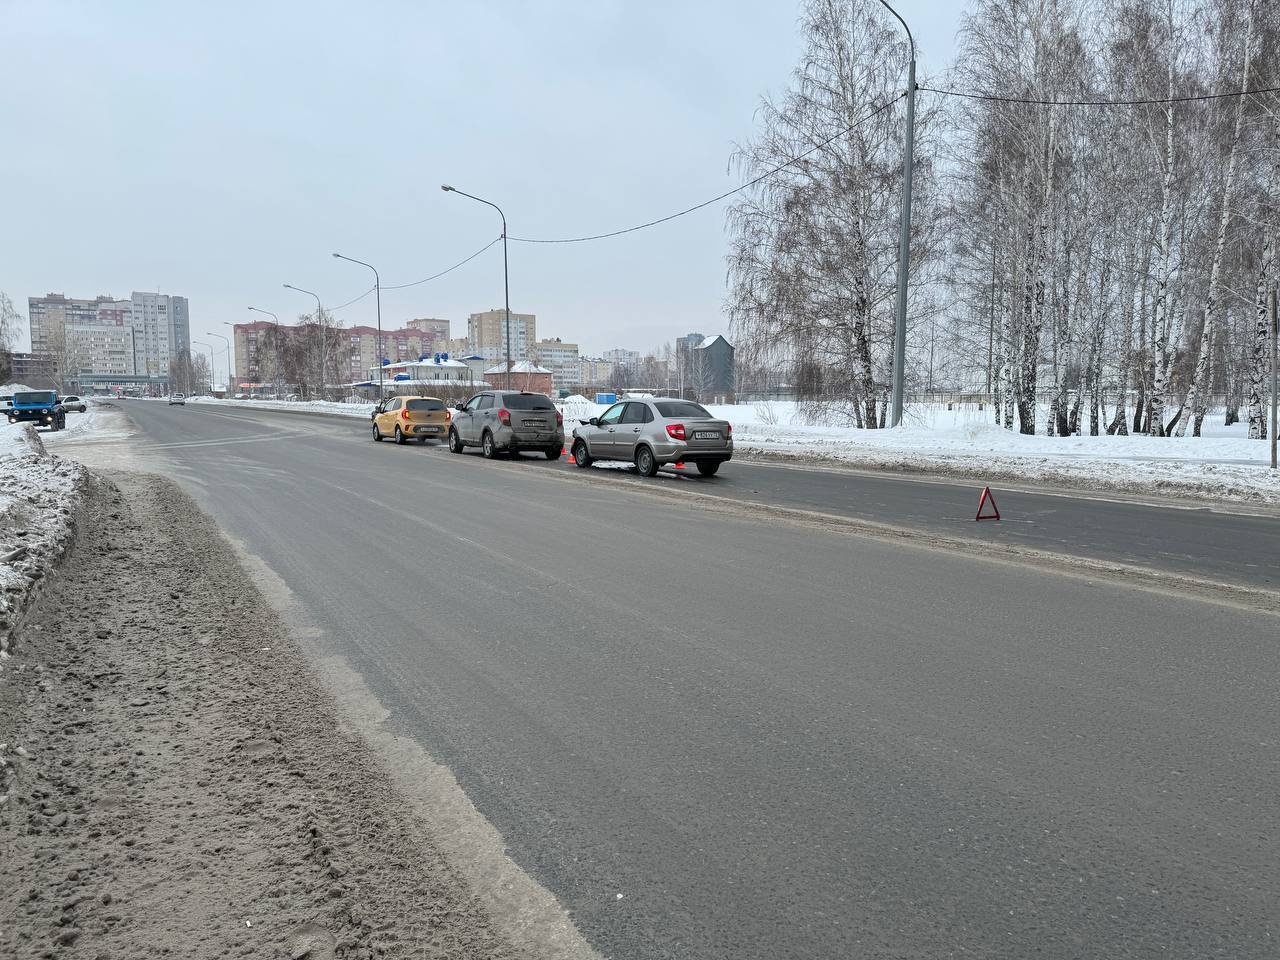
[[336, 408], [963, 441], [40, 496]]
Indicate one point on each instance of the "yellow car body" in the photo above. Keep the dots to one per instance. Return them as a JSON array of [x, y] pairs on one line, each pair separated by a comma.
[[411, 418]]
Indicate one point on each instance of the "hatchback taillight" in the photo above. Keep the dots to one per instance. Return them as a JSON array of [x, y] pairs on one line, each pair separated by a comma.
[[675, 431], [404, 414], [504, 416]]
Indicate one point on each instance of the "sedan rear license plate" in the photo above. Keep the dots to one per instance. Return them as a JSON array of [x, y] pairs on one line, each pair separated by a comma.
[[706, 435]]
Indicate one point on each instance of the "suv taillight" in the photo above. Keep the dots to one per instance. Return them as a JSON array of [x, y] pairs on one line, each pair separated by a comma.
[[675, 431], [559, 419], [729, 432], [504, 416]]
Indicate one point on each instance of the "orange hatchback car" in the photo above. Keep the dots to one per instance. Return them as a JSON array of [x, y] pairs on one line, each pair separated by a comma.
[[411, 418]]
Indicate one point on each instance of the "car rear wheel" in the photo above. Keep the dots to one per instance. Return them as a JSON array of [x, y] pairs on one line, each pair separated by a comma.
[[488, 447], [377, 434], [455, 441], [553, 453], [580, 455], [708, 469], [646, 462], [400, 436]]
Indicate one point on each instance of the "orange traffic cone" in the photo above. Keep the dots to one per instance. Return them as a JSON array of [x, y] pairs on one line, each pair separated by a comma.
[[562, 453]]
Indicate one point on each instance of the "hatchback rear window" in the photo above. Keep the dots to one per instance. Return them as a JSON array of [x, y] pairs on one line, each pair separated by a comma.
[[425, 405], [527, 401], [681, 408]]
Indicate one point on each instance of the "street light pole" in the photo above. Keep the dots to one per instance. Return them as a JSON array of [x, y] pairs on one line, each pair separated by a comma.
[[200, 343], [320, 326], [228, 343], [1275, 334], [377, 286], [904, 240], [276, 351], [506, 286]]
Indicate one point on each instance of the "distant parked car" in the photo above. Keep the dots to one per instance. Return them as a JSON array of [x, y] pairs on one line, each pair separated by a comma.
[[75, 403], [497, 420], [411, 418], [653, 432], [177, 399]]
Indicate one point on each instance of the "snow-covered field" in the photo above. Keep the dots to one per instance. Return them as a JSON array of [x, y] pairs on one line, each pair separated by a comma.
[[963, 441], [39, 498]]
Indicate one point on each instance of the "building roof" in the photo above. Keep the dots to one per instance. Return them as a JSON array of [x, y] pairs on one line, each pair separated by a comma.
[[706, 343], [522, 366], [433, 363]]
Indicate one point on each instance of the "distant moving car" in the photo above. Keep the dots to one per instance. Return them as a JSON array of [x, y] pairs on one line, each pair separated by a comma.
[[653, 432], [497, 420], [41, 407], [75, 403], [177, 398], [411, 418]]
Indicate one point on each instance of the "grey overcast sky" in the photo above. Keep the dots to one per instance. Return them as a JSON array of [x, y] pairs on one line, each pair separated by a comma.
[[218, 150]]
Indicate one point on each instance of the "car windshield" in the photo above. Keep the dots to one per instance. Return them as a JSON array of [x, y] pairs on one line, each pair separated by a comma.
[[34, 398], [682, 408], [425, 404], [527, 401]]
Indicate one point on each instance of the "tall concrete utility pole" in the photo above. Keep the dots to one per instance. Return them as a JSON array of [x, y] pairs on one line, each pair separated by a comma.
[[904, 241]]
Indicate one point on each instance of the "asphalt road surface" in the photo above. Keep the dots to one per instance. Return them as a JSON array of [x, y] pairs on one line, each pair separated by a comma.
[[716, 735]]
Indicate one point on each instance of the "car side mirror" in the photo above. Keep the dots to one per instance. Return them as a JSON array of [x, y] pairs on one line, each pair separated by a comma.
[[460, 407], [594, 421]]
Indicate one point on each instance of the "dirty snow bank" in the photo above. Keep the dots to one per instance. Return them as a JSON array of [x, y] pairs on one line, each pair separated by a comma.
[[40, 497]]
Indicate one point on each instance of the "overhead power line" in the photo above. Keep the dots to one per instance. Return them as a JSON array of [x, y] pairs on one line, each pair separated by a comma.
[[1096, 103], [727, 193], [415, 283]]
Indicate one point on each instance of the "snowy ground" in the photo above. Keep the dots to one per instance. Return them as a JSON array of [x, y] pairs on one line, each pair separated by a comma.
[[1222, 464], [40, 496]]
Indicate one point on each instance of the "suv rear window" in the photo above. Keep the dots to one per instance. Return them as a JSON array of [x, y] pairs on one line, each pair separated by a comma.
[[681, 408], [35, 398], [424, 405], [527, 401]]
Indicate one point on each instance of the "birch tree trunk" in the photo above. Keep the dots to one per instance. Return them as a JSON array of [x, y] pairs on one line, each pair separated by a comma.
[[1199, 381]]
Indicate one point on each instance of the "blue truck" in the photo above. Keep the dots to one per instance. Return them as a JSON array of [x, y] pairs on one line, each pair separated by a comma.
[[41, 407]]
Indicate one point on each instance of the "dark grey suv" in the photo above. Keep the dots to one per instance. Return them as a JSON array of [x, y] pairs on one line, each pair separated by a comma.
[[497, 420]]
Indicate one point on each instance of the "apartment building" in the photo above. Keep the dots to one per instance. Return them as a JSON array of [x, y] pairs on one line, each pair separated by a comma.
[[49, 315], [560, 358], [595, 372], [487, 334], [434, 332], [84, 337]]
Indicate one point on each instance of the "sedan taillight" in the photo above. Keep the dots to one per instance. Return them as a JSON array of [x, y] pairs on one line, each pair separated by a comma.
[[675, 431], [448, 417]]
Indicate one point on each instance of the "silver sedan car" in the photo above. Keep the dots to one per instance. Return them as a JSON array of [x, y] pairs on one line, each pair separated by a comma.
[[653, 432]]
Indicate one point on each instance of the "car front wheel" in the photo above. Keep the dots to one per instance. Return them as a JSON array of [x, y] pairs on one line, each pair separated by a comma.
[[455, 441], [581, 457], [646, 462], [377, 434]]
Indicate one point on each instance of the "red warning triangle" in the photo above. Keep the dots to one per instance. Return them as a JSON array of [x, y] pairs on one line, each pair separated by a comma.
[[987, 500]]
